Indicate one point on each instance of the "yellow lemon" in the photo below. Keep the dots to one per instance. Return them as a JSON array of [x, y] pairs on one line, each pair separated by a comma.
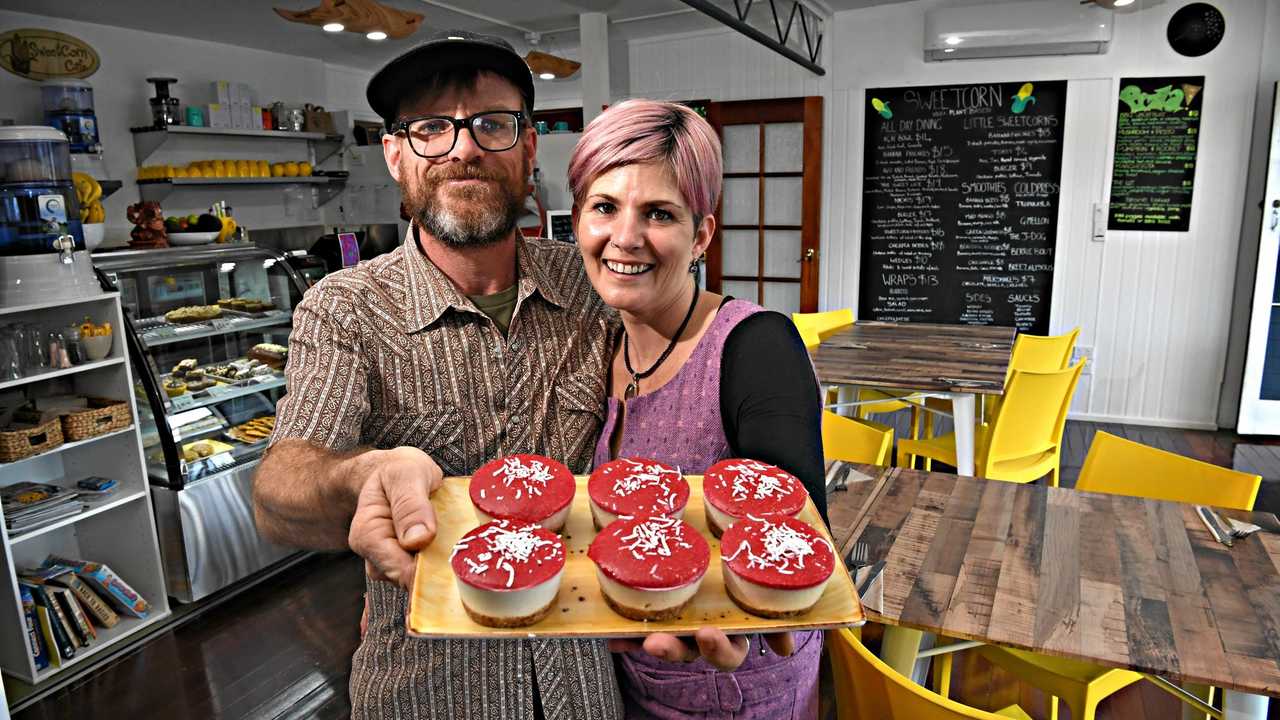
[[242, 168], [277, 170], [304, 169], [264, 168], [194, 171], [291, 169]]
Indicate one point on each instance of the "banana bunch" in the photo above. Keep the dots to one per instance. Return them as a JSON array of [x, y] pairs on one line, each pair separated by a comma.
[[89, 193]]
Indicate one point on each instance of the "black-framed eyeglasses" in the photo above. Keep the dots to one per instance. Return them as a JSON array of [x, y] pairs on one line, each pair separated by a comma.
[[433, 136]]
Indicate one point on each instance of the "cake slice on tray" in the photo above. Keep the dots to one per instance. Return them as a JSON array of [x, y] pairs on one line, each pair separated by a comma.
[[649, 568], [775, 567], [735, 489], [636, 487], [508, 572]]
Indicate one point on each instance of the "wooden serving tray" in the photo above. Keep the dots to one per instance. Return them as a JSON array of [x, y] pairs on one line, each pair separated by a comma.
[[435, 609]]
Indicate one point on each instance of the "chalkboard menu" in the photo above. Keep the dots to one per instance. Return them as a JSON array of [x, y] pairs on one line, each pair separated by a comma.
[[960, 203], [1157, 133]]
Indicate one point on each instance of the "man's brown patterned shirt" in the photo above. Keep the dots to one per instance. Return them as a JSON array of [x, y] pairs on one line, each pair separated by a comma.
[[390, 353]]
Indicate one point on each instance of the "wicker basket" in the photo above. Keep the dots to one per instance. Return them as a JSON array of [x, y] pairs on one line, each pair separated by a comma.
[[103, 416], [18, 441]]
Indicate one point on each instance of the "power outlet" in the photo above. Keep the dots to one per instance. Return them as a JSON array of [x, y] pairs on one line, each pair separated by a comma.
[[1080, 352]]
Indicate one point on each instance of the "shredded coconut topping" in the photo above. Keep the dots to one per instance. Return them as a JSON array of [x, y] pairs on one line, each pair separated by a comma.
[[654, 538], [532, 477], [505, 545], [785, 549], [756, 479]]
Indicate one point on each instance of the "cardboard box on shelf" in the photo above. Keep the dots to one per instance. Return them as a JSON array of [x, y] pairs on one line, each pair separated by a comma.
[[219, 115], [221, 91]]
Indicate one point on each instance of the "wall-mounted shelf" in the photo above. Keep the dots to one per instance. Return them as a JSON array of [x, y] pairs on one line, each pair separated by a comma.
[[147, 140], [158, 190]]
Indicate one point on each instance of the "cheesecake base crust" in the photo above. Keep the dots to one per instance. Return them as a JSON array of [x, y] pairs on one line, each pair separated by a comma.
[[763, 612], [640, 614], [507, 622]]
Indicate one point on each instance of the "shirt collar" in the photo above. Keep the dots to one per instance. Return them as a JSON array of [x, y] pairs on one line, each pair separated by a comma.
[[432, 293]]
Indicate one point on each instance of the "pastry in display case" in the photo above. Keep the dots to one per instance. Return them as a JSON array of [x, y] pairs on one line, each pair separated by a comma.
[[209, 331]]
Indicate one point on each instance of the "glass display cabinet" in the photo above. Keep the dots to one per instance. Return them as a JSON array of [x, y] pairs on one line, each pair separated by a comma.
[[208, 332]]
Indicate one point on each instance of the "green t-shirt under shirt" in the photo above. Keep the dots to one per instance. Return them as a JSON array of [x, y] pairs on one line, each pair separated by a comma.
[[499, 306]]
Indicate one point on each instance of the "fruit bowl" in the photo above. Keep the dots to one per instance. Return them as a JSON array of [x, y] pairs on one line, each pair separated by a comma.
[[97, 346], [192, 238]]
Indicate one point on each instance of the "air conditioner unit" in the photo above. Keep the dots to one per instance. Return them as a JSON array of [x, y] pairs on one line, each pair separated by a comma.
[[1016, 29]]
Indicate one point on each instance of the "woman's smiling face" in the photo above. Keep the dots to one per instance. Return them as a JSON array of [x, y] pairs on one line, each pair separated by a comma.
[[637, 238]]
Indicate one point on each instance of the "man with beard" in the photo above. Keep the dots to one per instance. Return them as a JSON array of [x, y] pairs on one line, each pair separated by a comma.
[[464, 344]]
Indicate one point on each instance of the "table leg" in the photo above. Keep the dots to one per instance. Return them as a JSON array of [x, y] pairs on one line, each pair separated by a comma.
[[899, 648], [847, 394], [962, 408], [1244, 706]]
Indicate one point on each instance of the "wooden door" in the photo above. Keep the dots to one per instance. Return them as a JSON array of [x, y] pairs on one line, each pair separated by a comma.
[[766, 244]]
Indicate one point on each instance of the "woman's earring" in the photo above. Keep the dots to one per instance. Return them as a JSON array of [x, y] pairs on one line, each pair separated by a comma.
[[693, 266]]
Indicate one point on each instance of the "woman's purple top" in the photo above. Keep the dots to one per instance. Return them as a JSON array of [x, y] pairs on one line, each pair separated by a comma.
[[680, 424]]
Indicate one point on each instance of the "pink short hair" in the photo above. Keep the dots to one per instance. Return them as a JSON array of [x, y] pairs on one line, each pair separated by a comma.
[[643, 131]]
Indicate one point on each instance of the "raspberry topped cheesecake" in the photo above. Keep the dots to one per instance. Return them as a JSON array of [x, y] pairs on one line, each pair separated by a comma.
[[525, 488], [735, 489], [775, 567], [636, 487], [649, 568], [508, 572]]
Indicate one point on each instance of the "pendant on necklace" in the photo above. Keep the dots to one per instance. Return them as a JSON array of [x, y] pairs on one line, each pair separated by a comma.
[[633, 388]]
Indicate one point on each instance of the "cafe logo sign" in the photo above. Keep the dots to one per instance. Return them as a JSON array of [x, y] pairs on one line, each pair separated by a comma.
[[44, 54]]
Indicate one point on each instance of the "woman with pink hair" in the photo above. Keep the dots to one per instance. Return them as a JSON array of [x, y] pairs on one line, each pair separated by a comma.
[[696, 378]]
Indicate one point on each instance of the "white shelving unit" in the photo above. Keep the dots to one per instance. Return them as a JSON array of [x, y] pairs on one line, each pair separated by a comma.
[[117, 529]]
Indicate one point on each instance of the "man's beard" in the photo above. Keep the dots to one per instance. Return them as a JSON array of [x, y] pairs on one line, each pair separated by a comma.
[[485, 215]]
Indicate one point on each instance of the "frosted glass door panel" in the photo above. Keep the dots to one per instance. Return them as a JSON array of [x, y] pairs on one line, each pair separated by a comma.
[[741, 249], [782, 198], [783, 297], [741, 148], [782, 253], [741, 201], [784, 147], [741, 289]]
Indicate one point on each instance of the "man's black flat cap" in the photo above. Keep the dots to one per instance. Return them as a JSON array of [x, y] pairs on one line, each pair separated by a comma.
[[442, 51]]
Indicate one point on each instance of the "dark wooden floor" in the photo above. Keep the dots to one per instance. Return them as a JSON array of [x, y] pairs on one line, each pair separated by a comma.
[[283, 648]]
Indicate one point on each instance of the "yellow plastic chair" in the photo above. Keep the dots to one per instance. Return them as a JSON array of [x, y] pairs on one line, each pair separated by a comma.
[[868, 689], [1123, 467], [1037, 353], [1024, 440], [823, 324], [810, 338], [855, 441]]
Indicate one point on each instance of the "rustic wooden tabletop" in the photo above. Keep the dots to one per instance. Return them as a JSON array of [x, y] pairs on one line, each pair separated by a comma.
[[917, 356], [1119, 581]]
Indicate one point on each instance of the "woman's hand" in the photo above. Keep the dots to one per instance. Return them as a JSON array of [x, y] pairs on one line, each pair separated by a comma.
[[722, 651]]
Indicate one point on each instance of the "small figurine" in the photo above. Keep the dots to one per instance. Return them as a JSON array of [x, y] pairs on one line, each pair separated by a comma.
[[149, 219]]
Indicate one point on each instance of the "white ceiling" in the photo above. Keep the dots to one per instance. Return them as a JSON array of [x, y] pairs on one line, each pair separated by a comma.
[[251, 23]]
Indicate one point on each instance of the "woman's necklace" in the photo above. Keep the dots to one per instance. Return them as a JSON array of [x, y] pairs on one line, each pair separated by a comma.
[[633, 388]]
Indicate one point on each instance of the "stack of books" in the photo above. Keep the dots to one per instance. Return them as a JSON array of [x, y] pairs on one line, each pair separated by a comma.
[[30, 505], [66, 602]]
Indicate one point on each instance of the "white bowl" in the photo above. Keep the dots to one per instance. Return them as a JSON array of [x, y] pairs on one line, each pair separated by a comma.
[[192, 238], [93, 234]]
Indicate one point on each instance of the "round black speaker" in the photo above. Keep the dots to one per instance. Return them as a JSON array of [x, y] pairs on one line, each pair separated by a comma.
[[1196, 29]]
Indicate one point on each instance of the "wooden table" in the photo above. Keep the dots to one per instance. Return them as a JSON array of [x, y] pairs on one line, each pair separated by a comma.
[[1118, 581], [957, 362]]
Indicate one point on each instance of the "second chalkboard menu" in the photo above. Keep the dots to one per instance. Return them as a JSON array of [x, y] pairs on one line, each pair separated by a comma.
[[960, 203], [1154, 170]]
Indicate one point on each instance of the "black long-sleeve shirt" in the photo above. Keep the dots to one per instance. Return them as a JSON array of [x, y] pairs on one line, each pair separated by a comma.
[[769, 400]]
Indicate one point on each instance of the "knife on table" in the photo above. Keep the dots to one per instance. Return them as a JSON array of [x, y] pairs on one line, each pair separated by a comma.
[[1216, 529]]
